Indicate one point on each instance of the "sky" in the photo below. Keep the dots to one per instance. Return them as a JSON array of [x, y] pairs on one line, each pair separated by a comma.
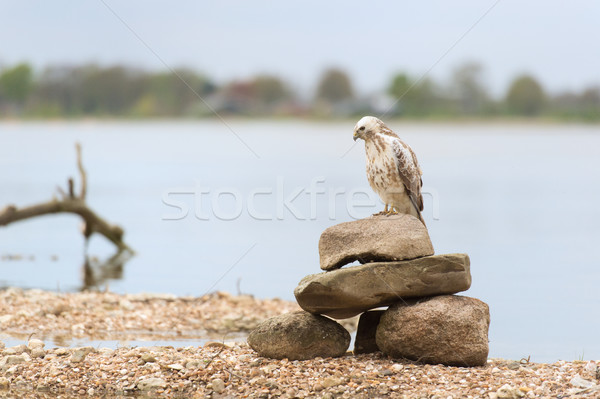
[[557, 41]]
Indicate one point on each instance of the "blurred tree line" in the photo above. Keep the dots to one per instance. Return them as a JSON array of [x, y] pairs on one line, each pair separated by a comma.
[[121, 91]]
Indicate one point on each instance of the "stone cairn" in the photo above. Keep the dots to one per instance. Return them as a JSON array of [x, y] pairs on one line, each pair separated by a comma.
[[424, 321]]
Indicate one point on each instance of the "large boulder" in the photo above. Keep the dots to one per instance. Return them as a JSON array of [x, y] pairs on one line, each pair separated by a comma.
[[352, 290], [299, 336], [448, 329], [378, 238]]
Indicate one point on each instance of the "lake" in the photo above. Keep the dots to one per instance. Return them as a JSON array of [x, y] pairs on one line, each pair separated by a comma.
[[240, 208]]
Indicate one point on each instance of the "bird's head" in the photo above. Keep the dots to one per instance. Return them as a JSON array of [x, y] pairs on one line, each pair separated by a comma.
[[366, 127]]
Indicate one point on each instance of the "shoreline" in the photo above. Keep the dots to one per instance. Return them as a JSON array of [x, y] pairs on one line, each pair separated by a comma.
[[106, 316], [219, 368], [350, 120]]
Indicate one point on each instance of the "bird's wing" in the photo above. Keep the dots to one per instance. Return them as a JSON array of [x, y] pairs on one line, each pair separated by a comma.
[[410, 172]]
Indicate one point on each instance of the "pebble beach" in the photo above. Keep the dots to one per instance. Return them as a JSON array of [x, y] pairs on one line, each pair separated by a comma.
[[45, 365]]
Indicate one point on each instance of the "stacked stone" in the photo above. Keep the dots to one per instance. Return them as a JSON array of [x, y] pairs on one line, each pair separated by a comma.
[[424, 321]]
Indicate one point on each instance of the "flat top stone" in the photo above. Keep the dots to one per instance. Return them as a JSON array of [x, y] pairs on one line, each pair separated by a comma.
[[378, 238]]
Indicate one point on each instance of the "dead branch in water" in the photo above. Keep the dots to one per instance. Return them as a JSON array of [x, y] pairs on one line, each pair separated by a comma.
[[69, 203]]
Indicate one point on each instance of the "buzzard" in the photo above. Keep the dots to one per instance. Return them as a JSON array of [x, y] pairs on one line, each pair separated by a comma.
[[392, 168]]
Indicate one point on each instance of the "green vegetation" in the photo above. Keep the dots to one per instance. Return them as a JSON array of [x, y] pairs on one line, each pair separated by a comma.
[[525, 96], [16, 84], [121, 91], [335, 87], [414, 98]]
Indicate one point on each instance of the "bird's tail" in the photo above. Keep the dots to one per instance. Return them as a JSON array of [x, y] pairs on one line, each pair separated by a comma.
[[417, 210]]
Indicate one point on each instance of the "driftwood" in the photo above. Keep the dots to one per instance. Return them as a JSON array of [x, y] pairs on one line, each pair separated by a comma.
[[69, 203]]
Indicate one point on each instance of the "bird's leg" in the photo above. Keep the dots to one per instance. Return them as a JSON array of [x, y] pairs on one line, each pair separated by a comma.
[[384, 212], [393, 211]]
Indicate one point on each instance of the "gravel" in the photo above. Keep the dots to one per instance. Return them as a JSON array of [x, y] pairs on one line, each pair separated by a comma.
[[235, 370], [230, 369]]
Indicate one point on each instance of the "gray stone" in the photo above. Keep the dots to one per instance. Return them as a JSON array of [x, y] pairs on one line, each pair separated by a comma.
[[449, 329], [15, 350], [299, 336], [377, 238], [79, 354], [349, 291], [16, 359], [151, 383], [365, 333], [506, 391], [194, 364], [61, 351], [35, 344], [329, 382], [38, 353], [148, 357], [218, 385], [106, 351]]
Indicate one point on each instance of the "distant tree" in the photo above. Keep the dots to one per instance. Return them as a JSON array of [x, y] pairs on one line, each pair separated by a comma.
[[16, 83], [525, 96], [335, 86], [59, 91], [585, 104], [238, 97], [270, 90], [173, 93], [400, 86], [416, 98], [112, 90], [590, 99], [468, 89], [565, 103]]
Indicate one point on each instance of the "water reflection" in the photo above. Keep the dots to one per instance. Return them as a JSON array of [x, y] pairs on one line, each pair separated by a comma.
[[97, 272]]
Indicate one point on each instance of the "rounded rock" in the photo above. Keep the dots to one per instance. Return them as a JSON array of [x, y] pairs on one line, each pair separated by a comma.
[[447, 329], [218, 385], [149, 357], [79, 354], [299, 336], [15, 350], [35, 344], [38, 353], [151, 383]]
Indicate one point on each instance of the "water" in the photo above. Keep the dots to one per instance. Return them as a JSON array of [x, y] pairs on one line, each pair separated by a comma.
[[521, 200]]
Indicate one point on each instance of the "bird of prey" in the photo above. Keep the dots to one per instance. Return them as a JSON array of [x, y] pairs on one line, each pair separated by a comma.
[[392, 168]]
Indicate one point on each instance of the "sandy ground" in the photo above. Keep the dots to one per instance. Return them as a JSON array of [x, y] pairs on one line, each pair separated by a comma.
[[42, 320]]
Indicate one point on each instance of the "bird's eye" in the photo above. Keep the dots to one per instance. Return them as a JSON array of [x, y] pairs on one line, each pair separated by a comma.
[[362, 128]]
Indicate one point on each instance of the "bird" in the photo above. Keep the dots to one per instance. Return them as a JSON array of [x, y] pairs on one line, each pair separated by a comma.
[[393, 171]]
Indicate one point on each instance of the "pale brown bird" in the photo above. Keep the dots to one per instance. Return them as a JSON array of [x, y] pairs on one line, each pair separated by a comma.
[[392, 168]]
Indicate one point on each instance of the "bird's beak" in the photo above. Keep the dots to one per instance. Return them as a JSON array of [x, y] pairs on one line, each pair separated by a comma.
[[355, 136]]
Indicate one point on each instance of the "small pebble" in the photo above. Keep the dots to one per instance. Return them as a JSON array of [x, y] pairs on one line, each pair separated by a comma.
[[148, 357], [218, 385], [35, 344]]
